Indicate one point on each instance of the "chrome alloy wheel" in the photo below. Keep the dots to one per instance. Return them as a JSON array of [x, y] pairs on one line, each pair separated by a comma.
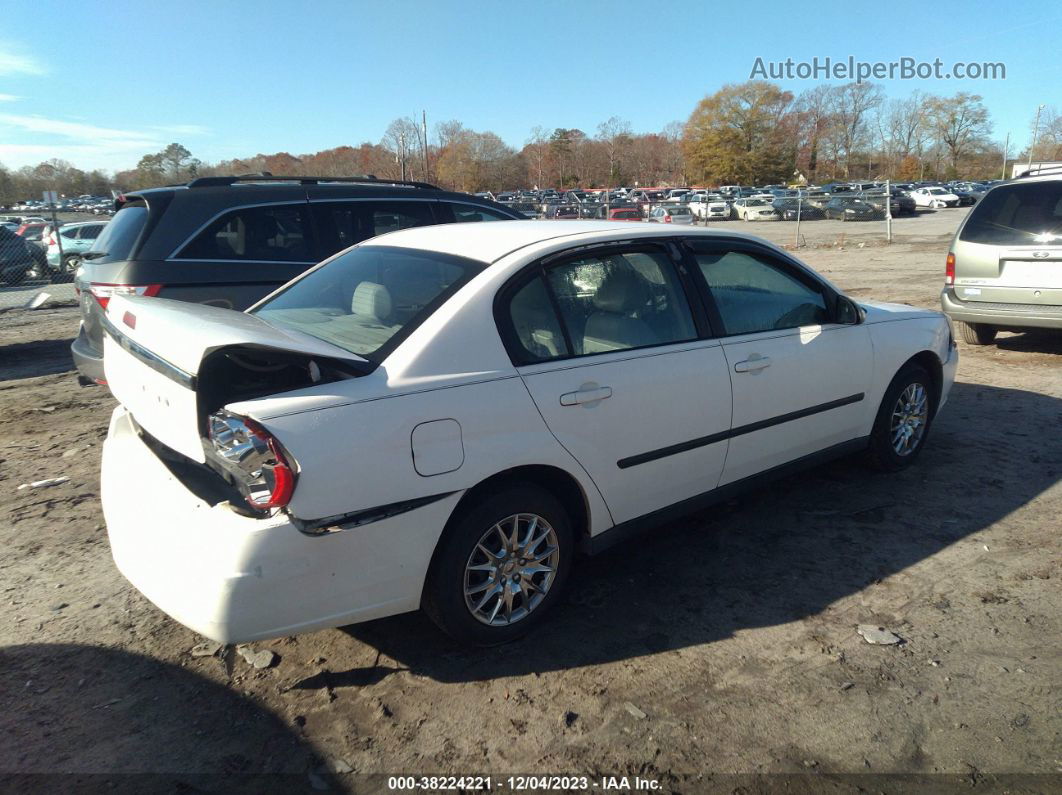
[[511, 569], [909, 418]]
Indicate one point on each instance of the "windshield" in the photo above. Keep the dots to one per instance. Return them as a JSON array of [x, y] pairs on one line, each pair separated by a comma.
[[1023, 215], [118, 237], [363, 299]]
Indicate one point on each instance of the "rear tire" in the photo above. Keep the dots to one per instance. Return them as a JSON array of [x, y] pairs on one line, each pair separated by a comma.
[[902, 424], [977, 333], [67, 266], [460, 565]]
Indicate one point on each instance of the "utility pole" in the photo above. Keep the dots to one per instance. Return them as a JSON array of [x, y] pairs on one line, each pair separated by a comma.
[[888, 210], [1006, 148], [402, 153], [1036, 132]]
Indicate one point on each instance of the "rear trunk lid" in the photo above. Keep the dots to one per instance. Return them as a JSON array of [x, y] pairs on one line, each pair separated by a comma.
[[155, 348]]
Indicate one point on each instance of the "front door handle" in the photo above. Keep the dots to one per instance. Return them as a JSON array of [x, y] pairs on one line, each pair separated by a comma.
[[753, 364], [586, 395]]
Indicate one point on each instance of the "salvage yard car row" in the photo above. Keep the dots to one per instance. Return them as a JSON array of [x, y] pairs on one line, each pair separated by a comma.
[[840, 201]]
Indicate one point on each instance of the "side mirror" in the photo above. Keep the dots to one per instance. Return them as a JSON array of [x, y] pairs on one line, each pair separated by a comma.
[[849, 313]]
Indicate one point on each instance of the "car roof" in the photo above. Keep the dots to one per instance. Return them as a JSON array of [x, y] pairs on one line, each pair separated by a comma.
[[490, 241]]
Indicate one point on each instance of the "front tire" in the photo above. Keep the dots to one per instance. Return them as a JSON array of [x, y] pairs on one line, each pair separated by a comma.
[[500, 566], [902, 425], [977, 333]]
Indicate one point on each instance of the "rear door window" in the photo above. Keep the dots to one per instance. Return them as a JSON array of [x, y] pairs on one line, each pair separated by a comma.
[[342, 224], [276, 233], [1017, 215]]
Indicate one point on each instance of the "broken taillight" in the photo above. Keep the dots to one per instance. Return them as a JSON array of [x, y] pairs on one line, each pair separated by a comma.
[[254, 459]]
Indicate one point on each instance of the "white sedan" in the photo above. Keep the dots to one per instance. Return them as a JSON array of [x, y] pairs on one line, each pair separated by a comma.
[[934, 197], [442, 417], [754, 210]]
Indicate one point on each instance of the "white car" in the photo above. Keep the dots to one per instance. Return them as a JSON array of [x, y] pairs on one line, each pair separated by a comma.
[[754, 210], [709, 206], [441, 417], [934, 197]]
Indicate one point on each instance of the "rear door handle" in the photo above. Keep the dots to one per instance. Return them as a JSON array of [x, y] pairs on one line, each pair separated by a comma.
[[753, 364], [586, 396]]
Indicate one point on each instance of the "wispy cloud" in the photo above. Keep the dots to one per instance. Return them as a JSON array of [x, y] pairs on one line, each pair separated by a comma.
[[35, 138], [73, 129], [18, 63], [9, 98]]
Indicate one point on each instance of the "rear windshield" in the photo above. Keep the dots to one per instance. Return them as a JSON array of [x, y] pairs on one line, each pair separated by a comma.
[[1017, 215], [118, 237], [369, 298], [680, 211]]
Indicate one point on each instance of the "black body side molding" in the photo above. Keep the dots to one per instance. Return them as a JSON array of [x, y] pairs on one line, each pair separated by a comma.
[[621, 532]]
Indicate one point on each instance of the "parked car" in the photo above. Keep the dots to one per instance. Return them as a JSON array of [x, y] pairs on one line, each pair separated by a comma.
[[1004, 268], [754, 210], [625, 214], [899, 202], [77, 239], [791, 209], [230, 241], [850, 209], [671, 214], [441, 417], [20, 260], [563, 212], [934, 197], [710, 206], [34, 232]]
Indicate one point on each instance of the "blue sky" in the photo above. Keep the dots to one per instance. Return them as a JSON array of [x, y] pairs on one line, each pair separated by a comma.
[[102, 83]]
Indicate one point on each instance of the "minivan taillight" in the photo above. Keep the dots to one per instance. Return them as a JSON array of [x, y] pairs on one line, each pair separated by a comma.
[[949, 269], [254, 459], [103, 291]]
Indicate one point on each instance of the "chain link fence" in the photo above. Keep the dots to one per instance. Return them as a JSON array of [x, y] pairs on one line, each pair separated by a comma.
[[807, 225], [33, 269]]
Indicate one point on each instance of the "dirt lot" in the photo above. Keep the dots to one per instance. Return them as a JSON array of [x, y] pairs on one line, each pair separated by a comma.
[[702, 656]]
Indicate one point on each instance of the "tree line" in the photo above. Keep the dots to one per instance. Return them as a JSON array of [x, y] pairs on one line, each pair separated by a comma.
[[747, 133]]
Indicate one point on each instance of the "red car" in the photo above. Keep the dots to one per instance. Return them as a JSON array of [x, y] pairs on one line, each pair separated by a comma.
[[625, 214], [33, 232]]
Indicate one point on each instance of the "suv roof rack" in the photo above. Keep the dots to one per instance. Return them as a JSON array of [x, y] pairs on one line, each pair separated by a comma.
[[358, 179], [1039, 171]]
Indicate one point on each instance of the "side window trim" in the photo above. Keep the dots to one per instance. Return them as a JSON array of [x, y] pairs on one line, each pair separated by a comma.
[[692, 247]]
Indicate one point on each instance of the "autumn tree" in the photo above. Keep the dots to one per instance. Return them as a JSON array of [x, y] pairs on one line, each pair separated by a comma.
[[739, 134], [851, 106], [960, 124]]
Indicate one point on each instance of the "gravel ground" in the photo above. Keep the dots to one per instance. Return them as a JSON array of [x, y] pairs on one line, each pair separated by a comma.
[[719, 654]]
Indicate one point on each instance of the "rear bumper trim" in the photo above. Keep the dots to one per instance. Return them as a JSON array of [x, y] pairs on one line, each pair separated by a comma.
[[997, 314]]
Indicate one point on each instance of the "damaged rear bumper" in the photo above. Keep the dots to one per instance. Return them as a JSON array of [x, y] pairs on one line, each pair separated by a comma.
[[234, 578]]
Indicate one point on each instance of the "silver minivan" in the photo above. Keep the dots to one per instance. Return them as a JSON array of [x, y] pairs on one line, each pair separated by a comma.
[[1004, 268]]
